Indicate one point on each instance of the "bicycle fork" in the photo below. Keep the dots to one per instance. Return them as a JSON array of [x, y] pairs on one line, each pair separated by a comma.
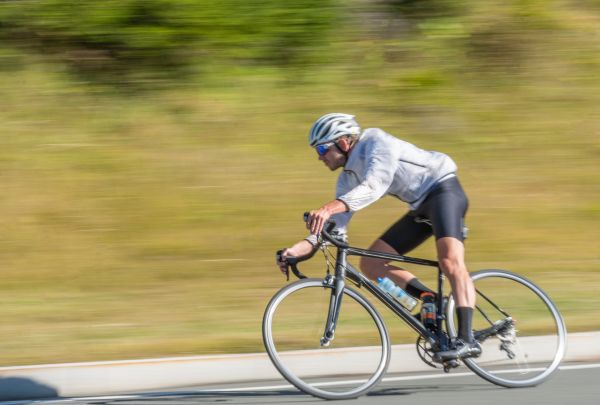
[[335, 301]]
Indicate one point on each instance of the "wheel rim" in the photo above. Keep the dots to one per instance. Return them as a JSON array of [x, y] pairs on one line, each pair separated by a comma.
[[537, 340], [331, 372]]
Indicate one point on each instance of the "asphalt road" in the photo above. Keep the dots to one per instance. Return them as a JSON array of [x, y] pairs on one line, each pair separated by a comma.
[[573, 383]]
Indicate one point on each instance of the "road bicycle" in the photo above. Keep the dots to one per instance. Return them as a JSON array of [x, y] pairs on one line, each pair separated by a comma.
[[329, 341]]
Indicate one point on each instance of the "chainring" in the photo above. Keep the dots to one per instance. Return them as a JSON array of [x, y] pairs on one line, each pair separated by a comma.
[[425, 352]]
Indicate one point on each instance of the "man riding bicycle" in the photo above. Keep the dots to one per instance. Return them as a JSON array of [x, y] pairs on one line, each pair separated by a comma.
[[377, 164]]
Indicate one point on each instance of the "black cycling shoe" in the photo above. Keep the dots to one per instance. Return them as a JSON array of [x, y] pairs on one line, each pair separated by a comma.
[[462, 350]]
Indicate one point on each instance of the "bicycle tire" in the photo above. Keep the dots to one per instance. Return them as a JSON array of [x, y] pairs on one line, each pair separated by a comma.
[[300, 295], [539, 343]]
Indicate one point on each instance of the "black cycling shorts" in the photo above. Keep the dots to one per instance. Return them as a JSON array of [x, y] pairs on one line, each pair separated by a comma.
[[441, 214]]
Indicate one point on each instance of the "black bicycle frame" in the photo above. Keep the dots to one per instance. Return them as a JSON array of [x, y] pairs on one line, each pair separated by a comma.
[[345, 270]]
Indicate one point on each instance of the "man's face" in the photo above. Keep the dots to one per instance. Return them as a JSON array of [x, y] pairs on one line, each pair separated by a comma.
[[331, 156]]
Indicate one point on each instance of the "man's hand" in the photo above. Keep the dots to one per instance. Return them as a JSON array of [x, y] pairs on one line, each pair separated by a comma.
[[300, 249], [318, 218]]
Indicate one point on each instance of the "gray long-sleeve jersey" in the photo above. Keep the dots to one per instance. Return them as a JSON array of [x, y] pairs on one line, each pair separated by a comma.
[[381, 164]]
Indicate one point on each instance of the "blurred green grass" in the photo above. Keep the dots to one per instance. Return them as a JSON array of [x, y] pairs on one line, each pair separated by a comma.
[[146, 225]]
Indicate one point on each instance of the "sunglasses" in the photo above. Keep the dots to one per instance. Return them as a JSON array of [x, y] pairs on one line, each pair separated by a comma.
[[324, 148]]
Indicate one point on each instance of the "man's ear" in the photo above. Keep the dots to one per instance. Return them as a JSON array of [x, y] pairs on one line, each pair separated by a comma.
[[344, 143]]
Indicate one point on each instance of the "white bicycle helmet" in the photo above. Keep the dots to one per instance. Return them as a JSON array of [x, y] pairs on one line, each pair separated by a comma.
[[331, 126]]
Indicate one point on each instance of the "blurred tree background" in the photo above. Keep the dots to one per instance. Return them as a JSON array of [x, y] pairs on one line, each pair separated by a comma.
[[153, 154]]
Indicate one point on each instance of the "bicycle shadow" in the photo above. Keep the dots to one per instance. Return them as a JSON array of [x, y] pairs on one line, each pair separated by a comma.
[[273, 396], [209, 396], [419, 389], [26, 391]]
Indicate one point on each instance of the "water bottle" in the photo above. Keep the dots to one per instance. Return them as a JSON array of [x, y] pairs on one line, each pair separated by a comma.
[[428, 310], [402, 296]]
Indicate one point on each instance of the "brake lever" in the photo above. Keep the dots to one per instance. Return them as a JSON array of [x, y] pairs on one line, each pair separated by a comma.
[[279, 258]]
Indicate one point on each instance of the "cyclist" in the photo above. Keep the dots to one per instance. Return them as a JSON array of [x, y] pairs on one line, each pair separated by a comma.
[[377, 164]]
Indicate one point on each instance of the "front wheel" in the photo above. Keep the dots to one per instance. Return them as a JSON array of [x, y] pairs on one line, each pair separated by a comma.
[[520, 330], [350, 365]]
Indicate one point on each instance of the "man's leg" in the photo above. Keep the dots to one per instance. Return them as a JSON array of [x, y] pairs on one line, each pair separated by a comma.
[[451, 255]]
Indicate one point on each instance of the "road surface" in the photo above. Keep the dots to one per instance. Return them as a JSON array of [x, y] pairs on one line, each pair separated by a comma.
[[572, 384]]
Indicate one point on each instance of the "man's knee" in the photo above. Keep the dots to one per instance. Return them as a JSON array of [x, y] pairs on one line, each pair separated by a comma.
[[451, 256], [453, 265], [372, 267]]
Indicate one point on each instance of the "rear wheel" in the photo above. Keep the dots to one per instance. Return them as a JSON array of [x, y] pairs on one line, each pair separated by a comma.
[[521, 332], [352, 363]]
